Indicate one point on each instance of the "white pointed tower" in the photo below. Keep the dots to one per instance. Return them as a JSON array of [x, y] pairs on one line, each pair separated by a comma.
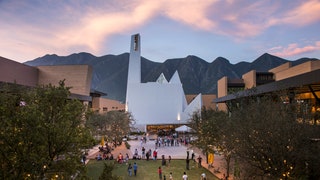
[[134, 71], [134, 67], [154, 104]]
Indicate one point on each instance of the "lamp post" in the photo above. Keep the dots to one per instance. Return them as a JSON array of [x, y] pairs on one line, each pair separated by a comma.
[[178, 118]]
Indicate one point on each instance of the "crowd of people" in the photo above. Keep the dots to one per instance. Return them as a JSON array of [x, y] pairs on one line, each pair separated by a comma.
[[171, 141], [141, 153], [162, 142], [105, 153]]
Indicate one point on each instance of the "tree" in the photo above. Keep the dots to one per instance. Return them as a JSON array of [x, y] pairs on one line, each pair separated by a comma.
[[268, 136], [212, 130], [114, 125], [107, 173], [41, 133], [270, 142]]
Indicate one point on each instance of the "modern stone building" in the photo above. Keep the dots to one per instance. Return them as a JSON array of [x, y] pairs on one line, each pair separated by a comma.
[[104, 105], [78, 77], [300, 82]]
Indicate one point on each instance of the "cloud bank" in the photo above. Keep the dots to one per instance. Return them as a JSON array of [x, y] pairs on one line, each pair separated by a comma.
[[294, 49], [40, 27]]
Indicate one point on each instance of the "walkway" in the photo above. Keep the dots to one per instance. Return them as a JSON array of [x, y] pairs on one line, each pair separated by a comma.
[[176, 152]]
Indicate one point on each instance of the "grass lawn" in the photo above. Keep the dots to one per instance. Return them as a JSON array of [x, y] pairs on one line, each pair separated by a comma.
[[148, 170]]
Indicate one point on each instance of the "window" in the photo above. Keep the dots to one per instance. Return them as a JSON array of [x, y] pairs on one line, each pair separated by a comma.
[[136, 42]]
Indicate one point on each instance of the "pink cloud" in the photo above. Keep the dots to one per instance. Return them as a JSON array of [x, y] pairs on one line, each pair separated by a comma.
[[249, 19], [305, 14], [66, 27], [193, 13], [96, 26], [72, 29], [294, 49], [242, 19]]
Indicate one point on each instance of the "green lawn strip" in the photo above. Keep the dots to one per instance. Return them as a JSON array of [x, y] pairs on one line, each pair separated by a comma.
[[148, 170]]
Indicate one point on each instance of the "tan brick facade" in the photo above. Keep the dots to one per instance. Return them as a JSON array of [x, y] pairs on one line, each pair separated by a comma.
[[249, 79], [282, 72], [222, 86], [103, 105], [296, 70], [14, 72], [78, 77]]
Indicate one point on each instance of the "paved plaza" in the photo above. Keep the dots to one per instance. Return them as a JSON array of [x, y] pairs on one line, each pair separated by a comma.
[[176, 152]]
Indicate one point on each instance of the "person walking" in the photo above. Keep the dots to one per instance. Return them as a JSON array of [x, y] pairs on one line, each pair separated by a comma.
[[130, 169], [185, 176], [135, 168], [160, 172]]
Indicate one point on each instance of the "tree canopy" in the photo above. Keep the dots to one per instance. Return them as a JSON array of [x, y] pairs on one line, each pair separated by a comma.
[[42, 133], [212, 131], [113, 125], [265, 136]]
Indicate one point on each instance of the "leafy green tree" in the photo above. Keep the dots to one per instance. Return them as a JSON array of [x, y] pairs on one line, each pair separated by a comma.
[[107, 173], [114, 125], [268, 137], [96, 123], [270, 142], [212, 130], [41, 133]]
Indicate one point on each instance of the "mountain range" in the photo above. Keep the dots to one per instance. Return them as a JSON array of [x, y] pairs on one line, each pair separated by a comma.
[[197, 75]]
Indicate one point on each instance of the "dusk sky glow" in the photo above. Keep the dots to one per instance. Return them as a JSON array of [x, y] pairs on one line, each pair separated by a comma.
[[239, 30]]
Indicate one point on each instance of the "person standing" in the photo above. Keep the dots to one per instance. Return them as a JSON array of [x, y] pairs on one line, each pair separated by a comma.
[[135, 168], [84, 158], [155, 154], [192, 156], [163, 161], [187, 153], [148, 155], [199, 161], [170, 176], [185, 176], [160, 172], [187, 163], [127, 158], [143, 153]]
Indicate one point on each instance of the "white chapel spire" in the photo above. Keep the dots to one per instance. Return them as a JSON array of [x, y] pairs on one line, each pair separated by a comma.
[[134, 69]]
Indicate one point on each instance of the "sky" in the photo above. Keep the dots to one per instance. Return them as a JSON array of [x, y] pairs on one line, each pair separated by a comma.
[[238, 30]]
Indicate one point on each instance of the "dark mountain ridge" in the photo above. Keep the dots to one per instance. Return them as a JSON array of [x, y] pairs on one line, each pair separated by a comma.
[[197, 75]]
